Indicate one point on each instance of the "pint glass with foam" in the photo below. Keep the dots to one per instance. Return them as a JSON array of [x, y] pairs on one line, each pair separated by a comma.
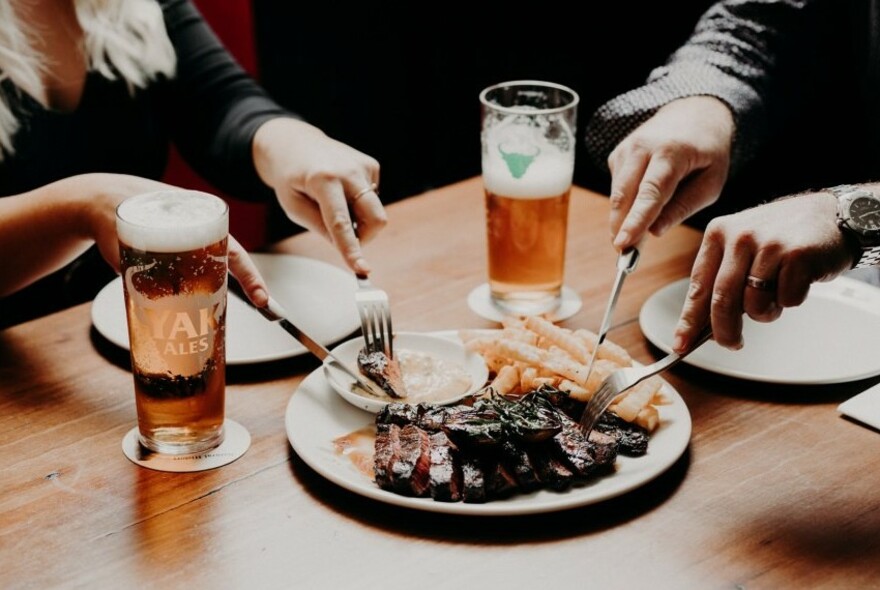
[[528, 141], [174, 262]]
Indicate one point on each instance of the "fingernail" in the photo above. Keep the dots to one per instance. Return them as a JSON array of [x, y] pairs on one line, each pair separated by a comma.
[[261, 298], [740, 344], [361, 266], [622, 239], [678, 343], [660, 229]]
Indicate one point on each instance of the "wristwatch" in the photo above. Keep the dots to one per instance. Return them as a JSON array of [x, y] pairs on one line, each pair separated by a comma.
[[858, 217]]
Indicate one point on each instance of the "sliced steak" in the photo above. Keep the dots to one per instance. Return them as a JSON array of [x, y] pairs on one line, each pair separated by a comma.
[[410, 474], [517, 462], [603, 447], [384, 371], [632, 439], [500, 483], [444, 475], [387, 452], [572, 448], [398, 413], [473, 480], [552, 472]]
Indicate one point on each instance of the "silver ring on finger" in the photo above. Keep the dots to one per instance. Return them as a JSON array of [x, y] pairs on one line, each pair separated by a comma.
[[370, 189], [760, 284]]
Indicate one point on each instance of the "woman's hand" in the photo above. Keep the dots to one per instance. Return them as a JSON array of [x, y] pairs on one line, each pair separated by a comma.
[[759, 261], [321, 183], [99, 224], [52, 225], [669, 168]]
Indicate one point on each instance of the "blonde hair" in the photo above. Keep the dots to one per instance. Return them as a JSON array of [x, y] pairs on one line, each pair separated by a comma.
[[123, 39]]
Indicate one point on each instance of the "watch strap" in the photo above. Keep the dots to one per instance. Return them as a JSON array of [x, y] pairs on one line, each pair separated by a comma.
[[870, 255]]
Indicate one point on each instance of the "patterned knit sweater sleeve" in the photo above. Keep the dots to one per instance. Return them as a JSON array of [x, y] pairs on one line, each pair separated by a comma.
[[731, 55]]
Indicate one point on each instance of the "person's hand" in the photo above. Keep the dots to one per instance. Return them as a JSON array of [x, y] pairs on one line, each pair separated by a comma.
[[104, 192], [320, 183], [759, 261], [670, 167]]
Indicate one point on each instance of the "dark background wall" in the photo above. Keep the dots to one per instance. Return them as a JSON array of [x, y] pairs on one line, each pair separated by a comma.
[[403, 87]]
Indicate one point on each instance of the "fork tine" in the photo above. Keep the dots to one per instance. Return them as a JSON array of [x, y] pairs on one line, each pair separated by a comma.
[[388, 335], [597, 405], [622, 379]]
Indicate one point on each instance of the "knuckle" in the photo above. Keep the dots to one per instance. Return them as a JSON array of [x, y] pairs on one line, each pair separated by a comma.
[[724, 305], [340, 223], [650, 191]]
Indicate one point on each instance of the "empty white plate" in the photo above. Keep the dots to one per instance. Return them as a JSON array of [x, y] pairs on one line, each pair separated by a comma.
[[318, 297], [832, 337]]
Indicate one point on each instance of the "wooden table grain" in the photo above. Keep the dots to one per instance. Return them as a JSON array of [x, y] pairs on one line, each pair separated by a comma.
[[776, 490]]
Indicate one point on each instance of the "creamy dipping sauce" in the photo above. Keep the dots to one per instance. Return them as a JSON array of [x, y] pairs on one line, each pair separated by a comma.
[[428, 378]]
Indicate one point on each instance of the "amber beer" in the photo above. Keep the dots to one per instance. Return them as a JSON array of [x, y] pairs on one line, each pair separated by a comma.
[[528, 163], [526, 236], [174, 264]]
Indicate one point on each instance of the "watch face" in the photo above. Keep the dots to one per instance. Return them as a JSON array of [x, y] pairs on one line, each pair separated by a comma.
[[864, 214]]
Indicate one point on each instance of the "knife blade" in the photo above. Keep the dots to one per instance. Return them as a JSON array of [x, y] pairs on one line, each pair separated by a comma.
[[626, 263], [274, 312]]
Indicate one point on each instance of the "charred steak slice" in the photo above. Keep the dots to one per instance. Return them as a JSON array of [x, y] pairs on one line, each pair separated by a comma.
[[603, 447], [552, 472], [410, 474], [384, 371], [387, 452], [632, 439], [500, 483], [473, 480], [444, 476], [517, 462], [572, 448]]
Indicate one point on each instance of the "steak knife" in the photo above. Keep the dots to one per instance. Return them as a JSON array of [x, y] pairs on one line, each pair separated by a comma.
[[626, 263], [275, 313]]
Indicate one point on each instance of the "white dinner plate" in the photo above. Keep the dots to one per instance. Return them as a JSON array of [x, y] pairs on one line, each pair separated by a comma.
[[831, 338], [316, 416], [318, 296]]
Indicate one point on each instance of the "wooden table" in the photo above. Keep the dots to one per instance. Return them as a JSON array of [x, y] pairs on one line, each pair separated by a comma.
[[775, 490]]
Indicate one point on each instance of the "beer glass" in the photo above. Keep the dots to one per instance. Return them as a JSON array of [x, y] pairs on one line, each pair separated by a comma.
[[172, 247], [528, 140]]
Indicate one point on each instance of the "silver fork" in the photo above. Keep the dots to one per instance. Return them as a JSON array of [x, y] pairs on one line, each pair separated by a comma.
[[375, 312], [623, 379]]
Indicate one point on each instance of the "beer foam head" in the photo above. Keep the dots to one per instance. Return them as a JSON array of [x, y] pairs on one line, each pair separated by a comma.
[[545, 177], [172, 220]]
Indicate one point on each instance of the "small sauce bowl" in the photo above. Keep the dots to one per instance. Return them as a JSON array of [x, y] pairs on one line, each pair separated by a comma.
[[442, 351]]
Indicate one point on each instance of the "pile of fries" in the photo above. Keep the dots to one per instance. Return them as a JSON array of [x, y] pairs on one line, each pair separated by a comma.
[[531, 352]]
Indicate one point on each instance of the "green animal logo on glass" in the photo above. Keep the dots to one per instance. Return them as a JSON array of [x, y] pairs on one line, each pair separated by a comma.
[[518, 155]]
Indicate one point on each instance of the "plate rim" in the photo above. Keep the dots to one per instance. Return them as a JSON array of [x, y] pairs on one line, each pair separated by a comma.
[[694, 359], [518, 505], [98, 321]]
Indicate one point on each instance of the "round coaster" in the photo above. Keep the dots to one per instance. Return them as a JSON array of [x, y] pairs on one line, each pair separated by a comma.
[[236, 441], [480, 302]]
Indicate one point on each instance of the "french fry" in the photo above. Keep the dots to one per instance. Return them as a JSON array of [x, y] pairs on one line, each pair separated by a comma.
[[609, 350], [648, 418], [574, 390], [520, 335], [506, 381], [527, 378], [560, 337], [631, 402]]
